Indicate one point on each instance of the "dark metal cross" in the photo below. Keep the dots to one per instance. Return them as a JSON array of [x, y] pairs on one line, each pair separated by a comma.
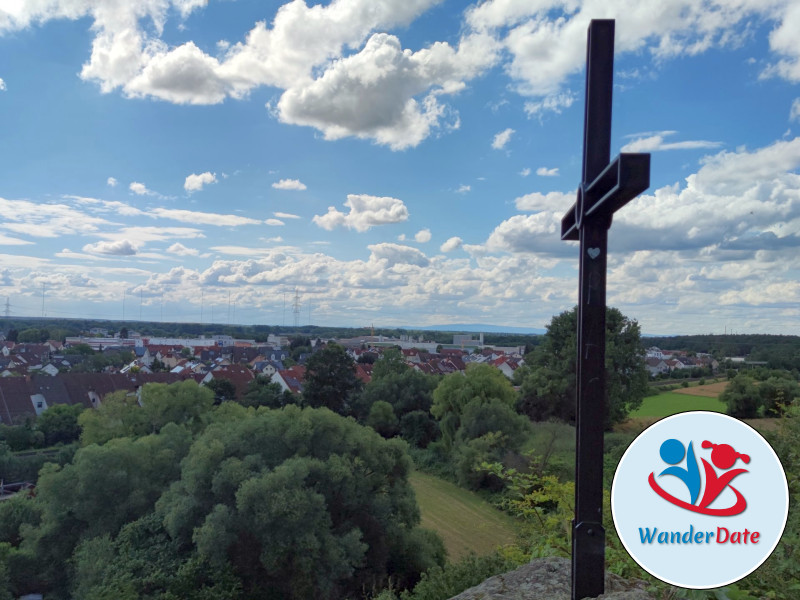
[[606, 187]]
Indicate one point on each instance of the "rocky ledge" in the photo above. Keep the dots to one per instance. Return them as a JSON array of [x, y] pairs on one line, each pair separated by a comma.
[[548, 579]]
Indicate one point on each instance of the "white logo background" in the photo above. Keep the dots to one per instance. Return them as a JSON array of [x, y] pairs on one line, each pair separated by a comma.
[[635, 505]]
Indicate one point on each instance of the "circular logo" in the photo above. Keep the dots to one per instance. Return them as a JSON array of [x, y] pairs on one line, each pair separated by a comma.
[[699, 500]]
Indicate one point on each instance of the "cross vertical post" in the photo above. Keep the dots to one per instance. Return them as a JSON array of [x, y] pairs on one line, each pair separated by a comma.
[[605, 187]]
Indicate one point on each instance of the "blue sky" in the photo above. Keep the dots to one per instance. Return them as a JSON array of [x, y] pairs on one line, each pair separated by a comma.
[[396, 162]]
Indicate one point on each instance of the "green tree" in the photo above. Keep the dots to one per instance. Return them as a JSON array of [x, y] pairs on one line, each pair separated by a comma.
[[548, 380], [59, 424], [331, 380], [741, 397], [382, 419], [81, 349], [406, 390], [104, 488], [480, 383], [390, 362], [776, 393], [33, 335], [121, 415], [262, 391], [223, 389], [301, 504]]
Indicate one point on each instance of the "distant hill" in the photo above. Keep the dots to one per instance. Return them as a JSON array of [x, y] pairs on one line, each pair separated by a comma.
[[480, 328]]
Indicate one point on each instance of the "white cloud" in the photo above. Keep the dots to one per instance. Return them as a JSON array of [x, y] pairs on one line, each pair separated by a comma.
[[545, 172], [283, 215], [463, 189], [289, 184], [12, 241], [555, 103], [525, 172], [181, 250], [2, 85], [388, 94], [140, 189], [112, 182], [116, 248], [529, 233], [552, 201], [454, 243], [195, 182], [384, 92], [395, 254], [365, 212], [655, 142], [502, 138], [794, 112], [151, 234], [274, 222], [47, 220], [202, 218], [423, 236]]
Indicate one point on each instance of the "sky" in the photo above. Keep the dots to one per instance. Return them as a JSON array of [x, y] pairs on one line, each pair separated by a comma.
[[392, 162]]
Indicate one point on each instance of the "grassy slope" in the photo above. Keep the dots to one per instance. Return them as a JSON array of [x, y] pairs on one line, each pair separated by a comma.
[[465, 522]]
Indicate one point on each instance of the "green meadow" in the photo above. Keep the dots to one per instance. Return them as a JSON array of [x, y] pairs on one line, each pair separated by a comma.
[[670, 403], [464, 520]]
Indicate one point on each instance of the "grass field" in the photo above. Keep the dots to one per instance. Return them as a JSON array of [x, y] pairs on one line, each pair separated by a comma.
[[669, 403], [709, 390], [465, 522]]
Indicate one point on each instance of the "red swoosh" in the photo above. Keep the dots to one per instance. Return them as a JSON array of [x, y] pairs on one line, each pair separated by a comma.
[[737, 508]]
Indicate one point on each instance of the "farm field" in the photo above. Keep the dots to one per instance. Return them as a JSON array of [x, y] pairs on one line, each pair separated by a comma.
[[709, 390], [669, 403], [465, 522]]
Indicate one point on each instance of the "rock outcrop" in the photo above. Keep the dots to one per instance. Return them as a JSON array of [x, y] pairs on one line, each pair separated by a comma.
[[548, 579]]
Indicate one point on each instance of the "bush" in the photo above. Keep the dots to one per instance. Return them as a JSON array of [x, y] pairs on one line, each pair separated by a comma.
[[441, 583]]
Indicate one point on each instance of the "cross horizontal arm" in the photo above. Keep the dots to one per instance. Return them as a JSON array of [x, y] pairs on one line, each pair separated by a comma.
[[627, 176]]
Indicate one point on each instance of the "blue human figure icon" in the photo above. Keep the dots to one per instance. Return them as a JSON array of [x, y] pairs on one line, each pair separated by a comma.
[[672, 452]]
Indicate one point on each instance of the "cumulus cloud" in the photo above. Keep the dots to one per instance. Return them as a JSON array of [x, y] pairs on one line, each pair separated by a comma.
[[365, 212], [289, 184], [274, 222], [552, 201], [112, 182], [545, 172], [525, 172], [423, 236], [388, 94], [2, 85], [116, 248], [395, 254], [384, 92], [140, 189], [655, 143], [454, 243], [180, 250], [501, 139], [463, 189], [283, 215], [195, 182]]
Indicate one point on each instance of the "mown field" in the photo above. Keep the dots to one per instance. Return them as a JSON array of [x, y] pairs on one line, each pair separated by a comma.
[[669, 403], [465, 522]]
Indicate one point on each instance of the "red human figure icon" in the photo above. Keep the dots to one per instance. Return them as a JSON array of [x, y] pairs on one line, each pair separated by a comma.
[[724, 457]]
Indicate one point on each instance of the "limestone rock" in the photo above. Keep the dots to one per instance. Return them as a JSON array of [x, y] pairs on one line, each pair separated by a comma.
[[548, 579]]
